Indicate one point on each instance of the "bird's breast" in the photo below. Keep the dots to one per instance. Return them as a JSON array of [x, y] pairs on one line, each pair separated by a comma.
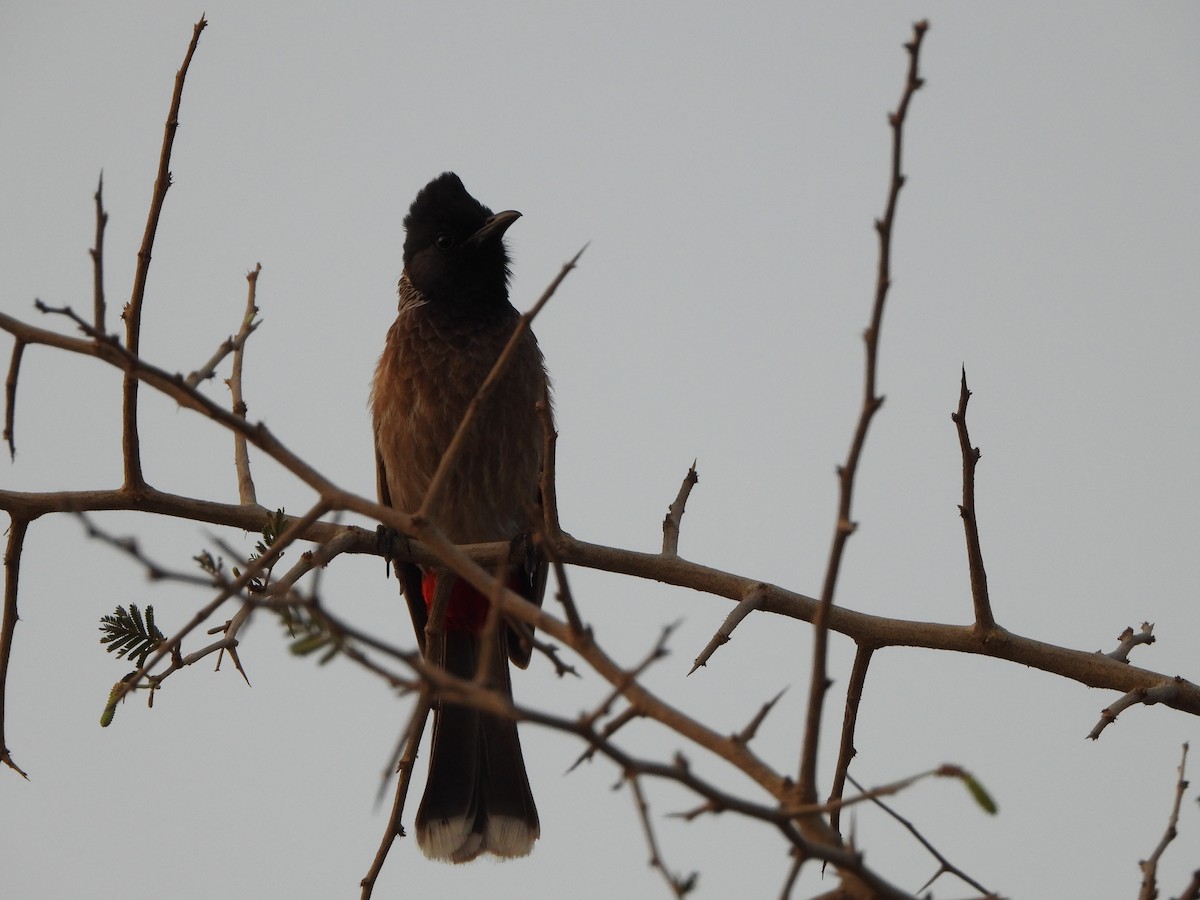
[[431, 368]]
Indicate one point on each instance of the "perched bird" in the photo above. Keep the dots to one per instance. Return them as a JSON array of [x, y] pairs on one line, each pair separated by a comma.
[[455, 318]]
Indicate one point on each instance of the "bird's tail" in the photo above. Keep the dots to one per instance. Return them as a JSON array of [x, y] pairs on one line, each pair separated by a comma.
[[477, 796]]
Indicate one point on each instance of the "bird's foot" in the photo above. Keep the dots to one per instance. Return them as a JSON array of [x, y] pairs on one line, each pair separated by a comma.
[[393, 545]]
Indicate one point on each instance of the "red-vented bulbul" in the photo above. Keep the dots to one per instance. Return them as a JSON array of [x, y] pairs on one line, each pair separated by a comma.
[[454, 320]]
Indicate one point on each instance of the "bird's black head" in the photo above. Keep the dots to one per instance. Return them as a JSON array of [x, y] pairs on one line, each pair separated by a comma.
[[454, 247]]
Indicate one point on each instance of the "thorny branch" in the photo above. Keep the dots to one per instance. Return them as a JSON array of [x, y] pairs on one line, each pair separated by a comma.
[[10, 397], [944, 865], [231, 343], [441, 684], [12, 569], [746, 735], [97, 253], [241, 455], [404, 768], [679, 887], [984, 620], [1167, 692], [819, 678], [846, 749], [234, 588], [1149, 866], [1129, 640], [674, 518], [132, 314], [792, 811], [752, 602]]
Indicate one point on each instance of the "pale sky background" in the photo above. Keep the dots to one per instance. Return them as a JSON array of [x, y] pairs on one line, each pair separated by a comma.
[[726, 163]]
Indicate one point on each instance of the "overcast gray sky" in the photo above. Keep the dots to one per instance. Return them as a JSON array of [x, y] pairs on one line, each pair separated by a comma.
[[726, 163]]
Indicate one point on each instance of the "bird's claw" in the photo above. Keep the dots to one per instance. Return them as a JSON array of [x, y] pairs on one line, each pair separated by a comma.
[[392, 544]]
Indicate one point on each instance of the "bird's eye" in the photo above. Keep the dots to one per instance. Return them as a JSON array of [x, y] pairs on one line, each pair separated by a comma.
[[444, 240]]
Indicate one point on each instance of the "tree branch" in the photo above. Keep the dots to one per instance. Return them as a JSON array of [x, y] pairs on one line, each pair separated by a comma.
[[846, 749], [12, 570], [132, 314], [819, 679], [674, 518], [97, 253], [1149, 866], [984, 619], [241, 453], [10, 397]]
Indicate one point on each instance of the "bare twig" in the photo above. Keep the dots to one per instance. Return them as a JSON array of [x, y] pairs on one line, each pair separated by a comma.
[[846, 751], [748, 604], [80, 322], [984, 619], [209, 368], [746, 735], [793, 875], [674, 516], [97, 253], [10, 397], [1129, 640], [615, 724], [1167, 692], [1149, 866], [229, 642], [657, 652], [131, 548], [241, 453], [172, 385], [315, 560], [551, 653], [679, 887], [12, 570], [132, 314], [819, 679], [394, 828], [231, 344], [858, 882]]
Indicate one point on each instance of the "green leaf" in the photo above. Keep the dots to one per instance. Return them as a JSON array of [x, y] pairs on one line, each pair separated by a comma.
[[127, 633], [979, 792]]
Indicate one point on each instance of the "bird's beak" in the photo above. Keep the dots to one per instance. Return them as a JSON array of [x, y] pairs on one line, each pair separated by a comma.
[[494, 227]]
